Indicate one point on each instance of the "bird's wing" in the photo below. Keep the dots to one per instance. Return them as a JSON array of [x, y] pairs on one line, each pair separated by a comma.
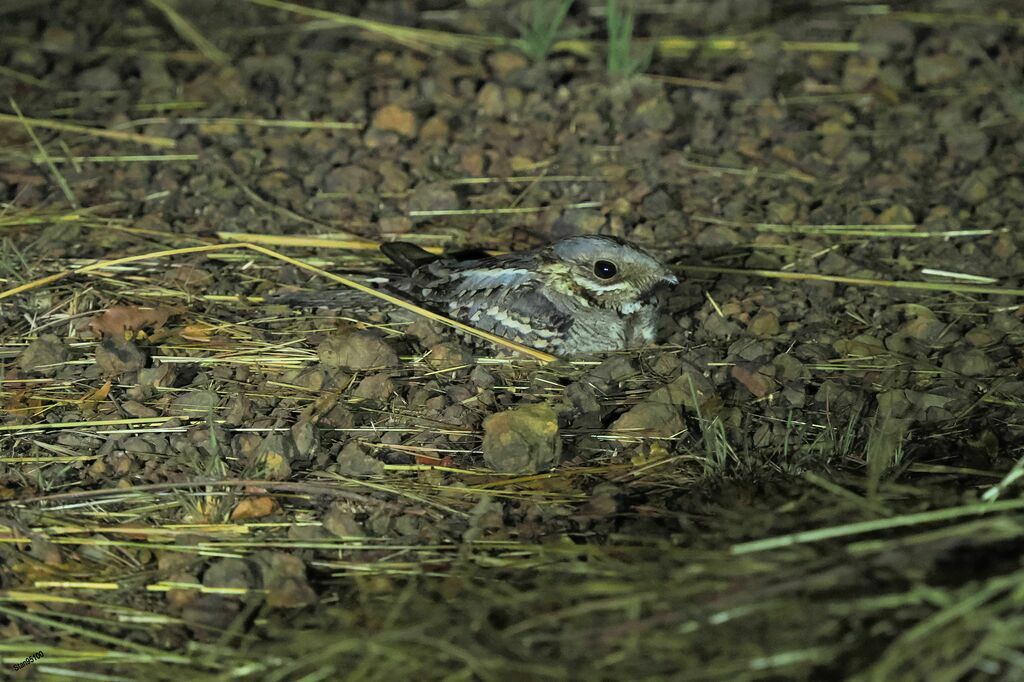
[[518, 311]]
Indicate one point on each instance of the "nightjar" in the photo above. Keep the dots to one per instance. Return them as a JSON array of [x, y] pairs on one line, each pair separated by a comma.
[[577, 295]]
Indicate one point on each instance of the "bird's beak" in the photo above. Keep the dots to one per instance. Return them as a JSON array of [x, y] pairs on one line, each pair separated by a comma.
[[670, 279]]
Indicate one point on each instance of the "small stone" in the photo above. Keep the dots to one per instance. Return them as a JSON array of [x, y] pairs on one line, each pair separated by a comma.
[[720, 327], [116, 356], [836, 396], [977, 187], [897, 214], [490, 100], [506, 62], [661, 413], [651, 418], [654, 114], [339, 417], [195, 403], [522, 440], [860, 346], [230, 573], [435, 128], [305, 437], [718, 235], [98, 78], [758, 384], [284, 578], [395, 118], [930, 331], [353, 461], [45, 351], [448, 354], [969, 143], [788, 367], [375, 387], [356, 350], [656, 204], [433, 197], [938, 68], [208, 614], [136, 409], [275, 453], [57, 39], [969, 363], [765, 323], [398, 224], [981, 337], [312, 379], [352, 180], [859, 71], [341, 522], [578, 221]]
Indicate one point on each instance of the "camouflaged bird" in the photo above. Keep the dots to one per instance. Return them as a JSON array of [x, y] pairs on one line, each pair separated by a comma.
[[577, 295]]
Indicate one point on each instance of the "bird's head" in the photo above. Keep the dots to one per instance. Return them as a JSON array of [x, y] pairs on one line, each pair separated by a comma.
[[605, 271]]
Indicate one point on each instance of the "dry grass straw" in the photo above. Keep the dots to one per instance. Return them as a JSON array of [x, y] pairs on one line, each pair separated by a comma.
[[116, 135], [947, 287], [58, 178], [189, 32]]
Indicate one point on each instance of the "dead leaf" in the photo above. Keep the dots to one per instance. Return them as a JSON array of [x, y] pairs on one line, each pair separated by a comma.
[[445, 461], [758, 384], [93, 398], [254, 508], [120, 319], [23, 404]]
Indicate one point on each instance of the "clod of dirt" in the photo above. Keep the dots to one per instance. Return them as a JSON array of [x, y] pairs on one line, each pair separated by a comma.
[[353, 461], [433, 197], [395, 119], [47, 350], [765, 323], [938, 68], [447, 355], [115, 356], [305, 437], [342, 522], [230, 573], [209, 614], [970, 363], [356, 350], [758, 383], [375, 387], [284, 578], [275, 453], [522, 440], [661, 413], [654, 114], [195, 402]]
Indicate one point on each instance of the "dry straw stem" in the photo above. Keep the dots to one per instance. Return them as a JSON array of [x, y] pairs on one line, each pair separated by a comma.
[[65, 188], [189, 32], [861, 527], [290, 123], [512, 345], [49, 124], [681, 46], [856, 281], [418, 38]]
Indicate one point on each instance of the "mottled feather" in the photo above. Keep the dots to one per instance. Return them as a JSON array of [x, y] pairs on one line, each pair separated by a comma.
[[580, 294]]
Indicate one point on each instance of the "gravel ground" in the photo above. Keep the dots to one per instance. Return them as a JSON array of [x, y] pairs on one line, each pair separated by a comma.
[[213, 460]]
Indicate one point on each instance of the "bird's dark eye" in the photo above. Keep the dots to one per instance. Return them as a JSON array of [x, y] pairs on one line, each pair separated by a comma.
[[605, 269]]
